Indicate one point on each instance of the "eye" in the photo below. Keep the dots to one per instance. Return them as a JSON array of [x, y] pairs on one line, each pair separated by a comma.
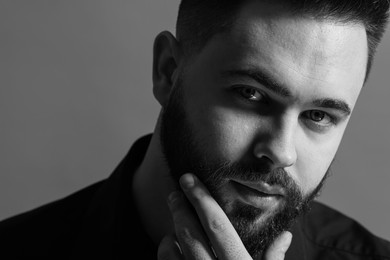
[[250, 94], [319, 119], [316, 115]]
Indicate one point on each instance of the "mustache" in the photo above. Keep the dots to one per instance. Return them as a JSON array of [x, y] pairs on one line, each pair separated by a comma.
[[254, 172]]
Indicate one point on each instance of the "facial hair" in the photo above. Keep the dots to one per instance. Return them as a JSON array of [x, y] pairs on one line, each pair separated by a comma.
[[183, 154]]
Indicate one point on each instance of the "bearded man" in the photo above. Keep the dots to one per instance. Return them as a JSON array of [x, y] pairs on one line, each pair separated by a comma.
[[255, 97]]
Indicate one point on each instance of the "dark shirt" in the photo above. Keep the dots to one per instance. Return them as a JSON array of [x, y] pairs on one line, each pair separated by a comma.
[[100, 222]]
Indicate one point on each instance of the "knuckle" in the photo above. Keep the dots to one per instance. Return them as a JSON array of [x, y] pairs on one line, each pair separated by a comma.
[[217, 226], [184, 233], [198, 195]]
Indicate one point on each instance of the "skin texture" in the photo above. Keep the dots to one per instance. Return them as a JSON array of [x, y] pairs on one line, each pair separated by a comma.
[[237, 118]]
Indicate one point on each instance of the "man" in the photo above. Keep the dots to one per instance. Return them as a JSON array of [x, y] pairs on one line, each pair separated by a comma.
[[255, 97]]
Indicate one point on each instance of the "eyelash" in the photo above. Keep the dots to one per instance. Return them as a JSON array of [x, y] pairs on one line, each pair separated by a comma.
[[332, 120]]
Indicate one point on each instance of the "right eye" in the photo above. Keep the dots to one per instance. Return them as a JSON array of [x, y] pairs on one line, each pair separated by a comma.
[[250, 94]]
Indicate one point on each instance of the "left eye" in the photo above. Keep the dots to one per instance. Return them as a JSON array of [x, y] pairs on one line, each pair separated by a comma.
[[319, 117], [316, 115], [250, 93]]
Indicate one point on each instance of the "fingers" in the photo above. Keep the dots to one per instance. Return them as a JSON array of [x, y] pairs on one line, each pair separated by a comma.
[[224, 238], [194, 235], [279, 247], [169, 249], [189, 232]]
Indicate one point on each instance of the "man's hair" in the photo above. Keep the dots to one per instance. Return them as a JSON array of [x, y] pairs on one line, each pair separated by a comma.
[[199, 20]]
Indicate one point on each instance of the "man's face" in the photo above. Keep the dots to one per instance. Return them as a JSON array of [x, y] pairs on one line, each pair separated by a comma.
[[259, 113]]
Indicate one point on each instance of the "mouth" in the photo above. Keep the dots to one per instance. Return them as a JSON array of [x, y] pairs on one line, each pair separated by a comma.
[[258, 194], [263, 188]]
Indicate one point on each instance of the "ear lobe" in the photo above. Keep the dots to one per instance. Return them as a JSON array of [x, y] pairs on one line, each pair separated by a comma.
[[165, 60]]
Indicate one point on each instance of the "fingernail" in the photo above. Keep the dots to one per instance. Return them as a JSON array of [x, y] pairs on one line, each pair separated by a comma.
[[187, 181]]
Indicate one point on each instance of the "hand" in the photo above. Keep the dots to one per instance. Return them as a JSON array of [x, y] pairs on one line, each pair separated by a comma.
[[207, 232]]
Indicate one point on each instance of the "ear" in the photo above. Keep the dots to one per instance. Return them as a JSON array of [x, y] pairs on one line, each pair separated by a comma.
[[165, 65]]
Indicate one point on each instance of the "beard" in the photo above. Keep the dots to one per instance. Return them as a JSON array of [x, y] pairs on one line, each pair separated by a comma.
[[184, 154]]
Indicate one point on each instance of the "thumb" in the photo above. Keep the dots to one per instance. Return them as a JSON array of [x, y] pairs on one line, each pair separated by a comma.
[[279, 247]]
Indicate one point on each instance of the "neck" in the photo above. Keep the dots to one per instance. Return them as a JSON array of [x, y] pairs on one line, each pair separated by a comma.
[[150, 187]]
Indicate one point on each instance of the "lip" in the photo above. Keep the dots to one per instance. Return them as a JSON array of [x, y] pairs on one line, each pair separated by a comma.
[[263, 187]]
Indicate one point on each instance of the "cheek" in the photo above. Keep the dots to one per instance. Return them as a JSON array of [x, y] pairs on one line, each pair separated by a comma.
[[224, 134], [314, 159]]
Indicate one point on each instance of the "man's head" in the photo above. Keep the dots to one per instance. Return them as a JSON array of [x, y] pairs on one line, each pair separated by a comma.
[[258, 110]]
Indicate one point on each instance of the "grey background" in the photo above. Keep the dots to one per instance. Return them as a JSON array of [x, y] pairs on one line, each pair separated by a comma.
[[76, 91]]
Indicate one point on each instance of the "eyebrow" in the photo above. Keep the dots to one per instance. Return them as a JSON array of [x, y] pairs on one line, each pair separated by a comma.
[[333, 104], [280, 89], [263, 78]]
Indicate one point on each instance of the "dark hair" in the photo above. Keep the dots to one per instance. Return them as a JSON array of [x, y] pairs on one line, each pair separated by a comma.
[[199, 20]]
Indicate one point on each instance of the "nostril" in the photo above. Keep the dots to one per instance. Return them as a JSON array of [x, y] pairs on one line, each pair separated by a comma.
[[278, 155]]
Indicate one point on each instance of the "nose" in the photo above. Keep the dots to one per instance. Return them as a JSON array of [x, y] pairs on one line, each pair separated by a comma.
[[278, 145]]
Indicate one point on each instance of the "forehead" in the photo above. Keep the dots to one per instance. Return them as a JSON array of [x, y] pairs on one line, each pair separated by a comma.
[[304, 54], [271, 25]]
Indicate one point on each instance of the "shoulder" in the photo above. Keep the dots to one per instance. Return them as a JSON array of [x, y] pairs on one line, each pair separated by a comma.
[[328, 229], [46, 227]]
